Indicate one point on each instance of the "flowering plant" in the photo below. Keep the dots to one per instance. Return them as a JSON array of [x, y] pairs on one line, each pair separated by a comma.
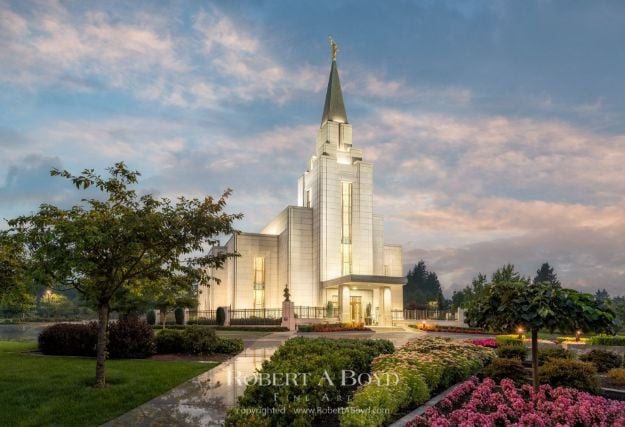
[[486, 404], [486, 342]]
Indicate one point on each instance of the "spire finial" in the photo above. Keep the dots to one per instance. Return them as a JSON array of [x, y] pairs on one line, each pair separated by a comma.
[[334, 47]]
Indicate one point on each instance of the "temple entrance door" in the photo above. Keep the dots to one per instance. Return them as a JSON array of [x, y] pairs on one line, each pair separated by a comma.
[[356, 308]]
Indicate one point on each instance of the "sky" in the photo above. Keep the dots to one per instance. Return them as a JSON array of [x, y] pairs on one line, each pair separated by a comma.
[[496, 129]]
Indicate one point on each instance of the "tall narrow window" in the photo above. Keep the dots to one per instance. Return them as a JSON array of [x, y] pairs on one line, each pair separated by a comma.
[[259, 282], [308, 199], [346, 221]]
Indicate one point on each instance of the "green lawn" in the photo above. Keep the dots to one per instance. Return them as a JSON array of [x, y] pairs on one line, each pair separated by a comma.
[[56, 390]]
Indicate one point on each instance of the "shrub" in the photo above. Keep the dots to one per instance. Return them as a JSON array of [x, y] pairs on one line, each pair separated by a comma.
[[411, 390], [603, 360], [509, 339], [571, 339], [198, 340], [436, 362], [512, 351], [169, 341], [569, 373], [607, 340], [314, 357], [150, 317], [130, 338], [202, 321], [179, 316], [617, 376], [69, 339], [229, 345], [507, 368], [550, 353], [221, 316], [333, 327]]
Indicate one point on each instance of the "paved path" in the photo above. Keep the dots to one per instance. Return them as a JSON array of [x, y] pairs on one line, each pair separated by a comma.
[[204, 400]]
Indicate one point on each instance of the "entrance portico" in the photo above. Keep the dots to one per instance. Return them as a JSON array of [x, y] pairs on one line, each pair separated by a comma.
[[359, 296]]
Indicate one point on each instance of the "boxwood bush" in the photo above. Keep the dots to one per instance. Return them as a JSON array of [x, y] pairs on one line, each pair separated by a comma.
[[196, 340], [512, 351], [548, 353], [569, 373], [501, 368], [318, 358], [602, 359], [169, 341], [179, 315], [150, 317]]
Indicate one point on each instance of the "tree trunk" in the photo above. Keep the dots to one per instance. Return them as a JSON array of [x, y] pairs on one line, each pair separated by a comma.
[[535, 358], [103, 323]]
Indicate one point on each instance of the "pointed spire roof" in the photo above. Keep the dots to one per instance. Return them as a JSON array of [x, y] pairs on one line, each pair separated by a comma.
[[334, 108]]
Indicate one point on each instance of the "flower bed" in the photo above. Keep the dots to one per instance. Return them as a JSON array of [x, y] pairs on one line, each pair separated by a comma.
[[333, 327], [487, 342], [427, 327], [486, 404], [423, 366]]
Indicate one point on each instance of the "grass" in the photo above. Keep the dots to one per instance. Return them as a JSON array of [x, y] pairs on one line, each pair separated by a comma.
[[57, 391]]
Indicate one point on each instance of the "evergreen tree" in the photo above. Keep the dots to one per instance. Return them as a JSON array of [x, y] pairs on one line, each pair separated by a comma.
[[546, 274], [422, 287], [602, 295]]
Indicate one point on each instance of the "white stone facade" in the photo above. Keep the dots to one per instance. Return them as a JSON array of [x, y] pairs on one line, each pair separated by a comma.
[[327, 249]]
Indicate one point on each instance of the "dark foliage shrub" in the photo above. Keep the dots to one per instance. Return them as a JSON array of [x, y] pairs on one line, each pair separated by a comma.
[[569, 373], [512, 351], [130, 338], [314, 357], [550, 353], [603, 360], [150, 317], [179, 315], [229, 345], [202, 321], [169, 341], [501, 368], [221, 316], [69, 339], [198, 340]]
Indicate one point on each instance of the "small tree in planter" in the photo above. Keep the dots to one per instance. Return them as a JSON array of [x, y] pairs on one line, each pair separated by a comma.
[[220, 316], [512, 301]]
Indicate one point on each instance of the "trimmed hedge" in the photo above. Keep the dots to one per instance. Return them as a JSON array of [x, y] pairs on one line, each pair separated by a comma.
[[315, 357], [221, 316], [513, 351], [602, 359], [607, 340], [196, 340], [509, 339], [512, 369], [569, 373], [179, 316]]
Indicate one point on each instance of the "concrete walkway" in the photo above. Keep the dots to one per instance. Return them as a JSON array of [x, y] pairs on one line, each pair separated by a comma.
[[205, 399]]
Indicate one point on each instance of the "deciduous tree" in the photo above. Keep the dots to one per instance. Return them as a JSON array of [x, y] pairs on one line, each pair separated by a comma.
[[121, 240]]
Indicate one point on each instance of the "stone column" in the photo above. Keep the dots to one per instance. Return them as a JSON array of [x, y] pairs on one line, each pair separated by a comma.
[[460, 317], [345, 314], [386, 318]]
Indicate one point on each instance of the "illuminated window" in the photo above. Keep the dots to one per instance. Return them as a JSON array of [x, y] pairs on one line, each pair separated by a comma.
[[308, 199], [346, 220], [259, 282]]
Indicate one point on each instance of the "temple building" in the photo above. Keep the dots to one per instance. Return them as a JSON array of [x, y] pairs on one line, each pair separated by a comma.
[[328, 250]]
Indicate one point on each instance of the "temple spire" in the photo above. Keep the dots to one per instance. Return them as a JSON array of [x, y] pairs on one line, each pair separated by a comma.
[[334, 108]]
